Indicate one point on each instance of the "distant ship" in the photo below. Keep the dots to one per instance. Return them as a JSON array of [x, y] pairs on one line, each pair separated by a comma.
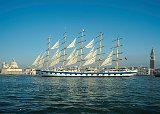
[[94, 57]]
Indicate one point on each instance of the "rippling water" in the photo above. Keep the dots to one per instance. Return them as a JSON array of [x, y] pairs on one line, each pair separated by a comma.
[[29, 94]]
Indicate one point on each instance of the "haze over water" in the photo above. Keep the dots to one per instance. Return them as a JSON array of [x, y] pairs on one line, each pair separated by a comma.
[[23, 94]]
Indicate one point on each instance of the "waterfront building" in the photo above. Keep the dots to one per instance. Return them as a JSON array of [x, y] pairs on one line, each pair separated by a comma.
[[143, 71], [30, 71], [152, 62], [11, 68]]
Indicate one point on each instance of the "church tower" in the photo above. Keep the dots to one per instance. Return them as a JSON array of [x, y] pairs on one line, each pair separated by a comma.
[[152, 61]]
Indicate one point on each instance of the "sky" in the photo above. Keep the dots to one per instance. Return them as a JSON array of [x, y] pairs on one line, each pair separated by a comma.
[[26, 24]]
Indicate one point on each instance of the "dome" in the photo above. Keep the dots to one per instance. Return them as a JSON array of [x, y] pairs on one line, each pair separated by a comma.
[[14, 64]]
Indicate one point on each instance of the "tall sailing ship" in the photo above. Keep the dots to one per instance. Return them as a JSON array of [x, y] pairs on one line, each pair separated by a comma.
[[79, 64]]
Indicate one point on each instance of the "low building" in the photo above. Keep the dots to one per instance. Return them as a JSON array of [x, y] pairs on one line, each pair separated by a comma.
[[30, 71], [11, 68], [143, 71]]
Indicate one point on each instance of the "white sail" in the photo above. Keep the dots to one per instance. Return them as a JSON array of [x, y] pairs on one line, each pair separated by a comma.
[[41, 63], [40, 66], [89, 54], [41, 60], [35, 63], [72, 44], [55, 58], [108, 60], [73, 59], [56, 45], [92, 59], [90, 44], [70, 56]]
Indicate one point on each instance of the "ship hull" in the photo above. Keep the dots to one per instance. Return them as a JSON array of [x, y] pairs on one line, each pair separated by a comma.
[[87, 74]]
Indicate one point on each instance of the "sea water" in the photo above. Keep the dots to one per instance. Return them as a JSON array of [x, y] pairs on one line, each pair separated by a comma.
[[67, 95]]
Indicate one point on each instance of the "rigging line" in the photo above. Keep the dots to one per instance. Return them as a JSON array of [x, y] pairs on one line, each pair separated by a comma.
[[81, 41], [118, 53], [99, 47], [99, 35], [98, 41], [117, 39], [81, 36], [116, 46]]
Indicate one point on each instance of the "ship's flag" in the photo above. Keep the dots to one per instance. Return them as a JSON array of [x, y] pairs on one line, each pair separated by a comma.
[[90, 44], [72, 44], [56, 45]]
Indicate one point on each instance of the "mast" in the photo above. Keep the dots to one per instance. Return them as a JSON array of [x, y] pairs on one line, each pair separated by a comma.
[[81, 47], [100, 50], [48, 51], [117, 52], [64, 51], [117, 59]]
